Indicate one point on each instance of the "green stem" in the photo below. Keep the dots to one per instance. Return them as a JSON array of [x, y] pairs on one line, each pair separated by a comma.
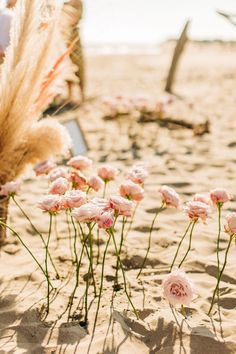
[[26, 247], [104, 190], [150, 237], [189, 245], [46, 262], [70, 238], [220, 274], [183, 311], [132, 220], [56, 230], [102, 277], [39, 233], [219, 206], [90, 227], [98, 245], [123, 272], [180, 243], [120, 247], [78, 265]]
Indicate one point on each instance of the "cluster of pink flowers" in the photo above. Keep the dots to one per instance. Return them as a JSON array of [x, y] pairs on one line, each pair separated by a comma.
[[70, 189], [73, 189]]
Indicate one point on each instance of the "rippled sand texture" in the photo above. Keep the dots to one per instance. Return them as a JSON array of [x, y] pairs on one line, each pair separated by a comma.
[[206, 79]]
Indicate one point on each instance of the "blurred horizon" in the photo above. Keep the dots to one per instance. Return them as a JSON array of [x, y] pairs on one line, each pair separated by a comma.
[[129, 24]]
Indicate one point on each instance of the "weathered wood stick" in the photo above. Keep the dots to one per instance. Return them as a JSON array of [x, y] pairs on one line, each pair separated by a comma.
[[177, 53]]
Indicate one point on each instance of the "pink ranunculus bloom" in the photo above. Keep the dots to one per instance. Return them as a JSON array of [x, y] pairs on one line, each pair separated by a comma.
[[10, 188], [138, 174], [87, 213], [59, 186], [51, 203], [107, 173], [106, 220], [197, 210], [43, 168], [79, 181], [102, 203], [178, 288], [170, 197], [230, 226], [203, 198], [95, 182], [58, 172], [219, 195], [80, 162], [74, 199], [131, 191], [120, 205]]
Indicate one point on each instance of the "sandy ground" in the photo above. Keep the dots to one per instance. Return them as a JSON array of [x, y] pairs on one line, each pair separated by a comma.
[[206, 79]]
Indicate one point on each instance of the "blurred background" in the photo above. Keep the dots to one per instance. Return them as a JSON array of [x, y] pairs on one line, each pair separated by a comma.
[[125, 25]]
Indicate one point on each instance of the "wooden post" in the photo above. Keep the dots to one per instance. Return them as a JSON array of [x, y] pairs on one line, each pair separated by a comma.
[[177, 53]]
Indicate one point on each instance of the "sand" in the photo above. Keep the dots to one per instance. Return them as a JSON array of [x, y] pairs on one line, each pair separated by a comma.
[[206, 80]]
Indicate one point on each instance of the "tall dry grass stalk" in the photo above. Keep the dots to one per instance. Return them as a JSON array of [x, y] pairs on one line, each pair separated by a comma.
[[35, 59], [71, 17]]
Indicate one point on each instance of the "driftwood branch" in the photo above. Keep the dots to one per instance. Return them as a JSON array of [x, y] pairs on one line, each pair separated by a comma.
[[175, 60], [230, 17]]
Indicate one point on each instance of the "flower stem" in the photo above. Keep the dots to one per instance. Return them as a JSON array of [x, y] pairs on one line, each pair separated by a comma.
[[150, 238], [26, 247], [180, 243], [123, 272], [190, 243], [46, 261], [56, 230], [219, 206], [90, 239], [132, 220], [183, 311], [102, 277], [78, 265], [221, 273], [120, 247], [70, 238], [104, 190], [98, 245], [39, 233]]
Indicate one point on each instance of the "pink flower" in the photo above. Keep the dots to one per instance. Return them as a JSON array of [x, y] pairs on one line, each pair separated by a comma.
[[10, 188], [107, 173], [58, 172], [80, 162], [132, 191], [95, 183], [74, 199], [137, 174], [230, 226], [121, 205], [203, 198], [106, 220], [51, 203], [197, 210], [43, 168], [59, 186], [87, 213], [78, 180], [219, 195], [102, 203], [177, 288], [170, 197]]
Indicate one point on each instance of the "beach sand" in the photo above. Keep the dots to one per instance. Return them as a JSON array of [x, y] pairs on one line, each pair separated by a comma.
[[206, 83]]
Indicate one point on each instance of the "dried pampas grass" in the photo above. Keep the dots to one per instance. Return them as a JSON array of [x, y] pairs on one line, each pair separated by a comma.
[[35, 46]]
